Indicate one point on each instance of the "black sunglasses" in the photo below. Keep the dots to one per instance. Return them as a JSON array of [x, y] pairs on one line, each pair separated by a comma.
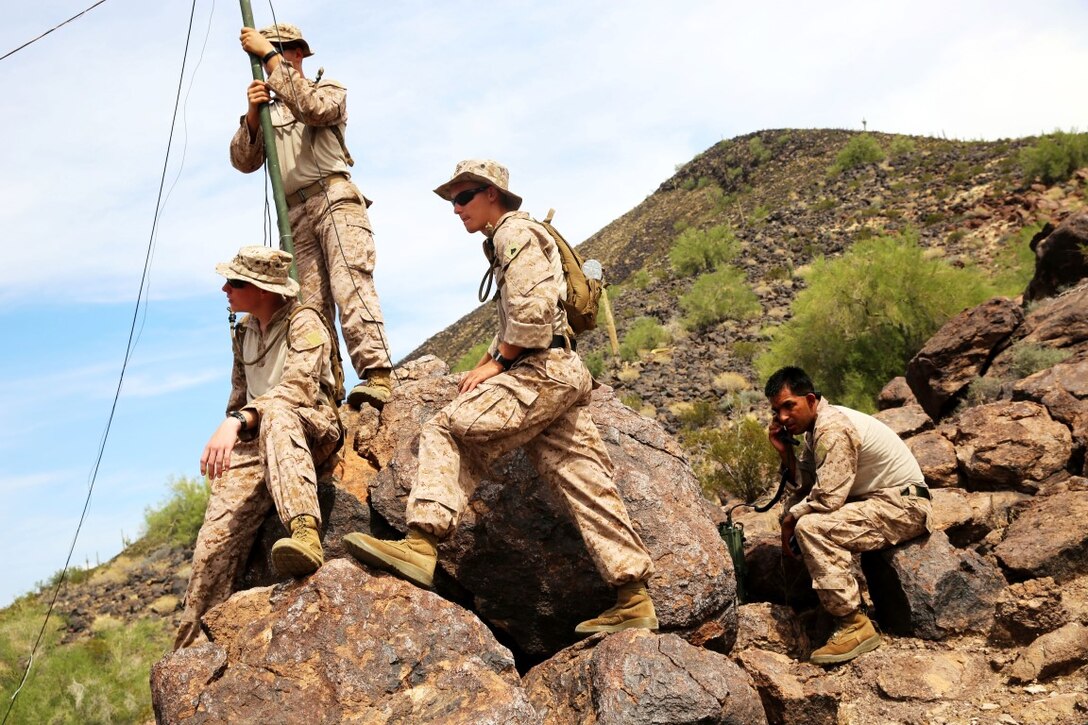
[[467, 195], [237, 283]]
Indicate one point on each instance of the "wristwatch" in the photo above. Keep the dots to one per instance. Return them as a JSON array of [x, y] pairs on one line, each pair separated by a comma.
[[505, 362], [268, 56], [240, 416]]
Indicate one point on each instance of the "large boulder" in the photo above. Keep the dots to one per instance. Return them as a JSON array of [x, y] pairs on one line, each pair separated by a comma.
[[636, 677], [1010, 445], [1059, 257], [1049, 537], [793, 693], [895, 394], [1063, 389], [341, 646], [520, 559], [969, 517], [906, 420], [936, 457], [1054, 653], [1027, 610], [771, 627], [927, 588], [1056, 322], [959, 352]]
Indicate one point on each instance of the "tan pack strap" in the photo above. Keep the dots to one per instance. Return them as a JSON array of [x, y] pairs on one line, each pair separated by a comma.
[[343, 146], [548, 218]]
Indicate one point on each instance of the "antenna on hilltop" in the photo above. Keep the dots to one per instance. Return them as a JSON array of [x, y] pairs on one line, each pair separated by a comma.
[[864, 125]]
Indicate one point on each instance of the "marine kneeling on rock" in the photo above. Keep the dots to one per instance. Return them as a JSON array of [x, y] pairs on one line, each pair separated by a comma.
[[530, 389], [281, 424]]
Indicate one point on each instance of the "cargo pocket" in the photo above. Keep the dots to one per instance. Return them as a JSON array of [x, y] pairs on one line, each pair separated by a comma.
[[498, 405]]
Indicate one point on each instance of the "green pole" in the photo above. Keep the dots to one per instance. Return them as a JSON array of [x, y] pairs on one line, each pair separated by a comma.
[[287, 240]]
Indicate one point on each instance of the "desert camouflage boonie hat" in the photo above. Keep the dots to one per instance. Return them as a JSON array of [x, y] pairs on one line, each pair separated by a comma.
[[287, 34], [485, 171], [267, 268]]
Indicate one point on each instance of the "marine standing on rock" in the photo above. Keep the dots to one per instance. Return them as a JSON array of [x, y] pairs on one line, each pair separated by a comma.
[[530, 389], [856, 487], [334, 246], [281, 424]]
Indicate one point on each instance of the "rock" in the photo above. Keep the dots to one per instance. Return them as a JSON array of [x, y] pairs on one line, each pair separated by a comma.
[[341, 646], [926, 588], [989, 512], [1059, 257], [895, 394], [959, 352], [637, 676], [771, 627], [1057, 322], [925, 676], [1049, 538], [1027, 610], [1010, 445], [771, 576], [1052, 654], [906, 421], [1063, 389], [936, 457], [524, 564], [793, 693]]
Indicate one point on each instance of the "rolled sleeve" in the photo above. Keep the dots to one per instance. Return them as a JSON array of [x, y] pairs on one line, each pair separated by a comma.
[[246, 154], [315, 104], [836, 459]]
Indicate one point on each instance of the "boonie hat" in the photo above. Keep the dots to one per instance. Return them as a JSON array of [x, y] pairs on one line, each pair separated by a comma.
[[267, 268], [485, 171], [287, 34]]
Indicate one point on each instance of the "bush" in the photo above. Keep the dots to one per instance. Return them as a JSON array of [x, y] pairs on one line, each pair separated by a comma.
[[468, 361], [1027, 359], [860, 150], [717, 296], [595, 363], [697, 414], [864, 315], [1015, 262], [177, 520], [760, 153], [638, 280], [1055, 157], [698, 250], [981, 391], [901, 146], [740, 461], [645, 333]]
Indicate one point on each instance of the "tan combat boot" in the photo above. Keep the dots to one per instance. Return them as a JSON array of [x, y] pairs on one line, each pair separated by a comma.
[[412, 558], [375, 391], [300, 554], [855, 635], [633, 610]]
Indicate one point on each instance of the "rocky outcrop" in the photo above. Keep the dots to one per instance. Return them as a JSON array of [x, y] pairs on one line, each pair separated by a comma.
[[1049, 537], [906, 421], [1063, 390], [1055, 653], [936, 457], [1027, 610], [640, 677], [1059, 257], [959, 352], [519, 557], [341, 646], [895, 394], [793, 693]]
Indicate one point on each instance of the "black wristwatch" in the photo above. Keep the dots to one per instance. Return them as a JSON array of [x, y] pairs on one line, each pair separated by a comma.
[[505, 362], [240, 416], [268, 56]]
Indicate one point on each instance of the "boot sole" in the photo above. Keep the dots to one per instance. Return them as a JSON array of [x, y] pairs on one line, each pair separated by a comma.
[[356, 400], [866, 646], [289, 561], [637, 623], [364, 552]]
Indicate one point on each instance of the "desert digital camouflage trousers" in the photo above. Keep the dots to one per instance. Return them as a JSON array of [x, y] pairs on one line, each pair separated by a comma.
[[334, 253], [541, 404], [829, 541], [274, 469]]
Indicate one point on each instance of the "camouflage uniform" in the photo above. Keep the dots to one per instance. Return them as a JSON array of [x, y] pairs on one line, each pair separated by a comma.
[[853, 471], [297, 428], [334, 245], [541, 403]]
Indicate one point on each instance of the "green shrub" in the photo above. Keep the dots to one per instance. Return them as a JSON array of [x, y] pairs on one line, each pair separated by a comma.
[[638, 280], [760, 153], [1055, 157], [632, 401], [981, 391], [645, 333], [901, 146], [719, 295], [469, 360], [1015, 262], [746, 350], [860, 150], [697, 414], [741, 461], [1027, 359], [177, 520], [702, 250], [864, 315], [595, 363]]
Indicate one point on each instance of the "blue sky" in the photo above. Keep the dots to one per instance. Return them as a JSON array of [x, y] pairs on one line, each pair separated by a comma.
[[591, 104]]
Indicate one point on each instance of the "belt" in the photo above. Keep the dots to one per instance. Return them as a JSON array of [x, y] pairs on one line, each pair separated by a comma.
[[561, 341], [318, 187], [916, 490]]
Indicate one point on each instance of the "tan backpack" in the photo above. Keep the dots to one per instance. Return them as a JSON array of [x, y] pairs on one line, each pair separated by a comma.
[[583, 293]]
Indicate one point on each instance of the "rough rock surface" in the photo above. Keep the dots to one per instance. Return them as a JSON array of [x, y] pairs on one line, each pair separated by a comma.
[[969, 517], [1059, 257], [1027, 610], [1010, 445], [896, 393], [936, 457], [1063, 389], [1048, 538], [521, 559], [960, 351], [1054, 653], [771, 627], [341, 646], [906, 421], [637, 676], [927, 588], [793, 693]]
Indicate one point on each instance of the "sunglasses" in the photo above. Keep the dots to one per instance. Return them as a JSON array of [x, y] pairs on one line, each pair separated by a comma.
[[467, 195], [237, 283]]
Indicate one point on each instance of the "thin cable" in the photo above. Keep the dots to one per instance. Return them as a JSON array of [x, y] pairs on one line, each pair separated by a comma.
[[124, 366], [35, 40]]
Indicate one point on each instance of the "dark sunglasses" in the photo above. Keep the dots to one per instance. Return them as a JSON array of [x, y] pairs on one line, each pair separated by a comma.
[[467, 195], [237, 283]]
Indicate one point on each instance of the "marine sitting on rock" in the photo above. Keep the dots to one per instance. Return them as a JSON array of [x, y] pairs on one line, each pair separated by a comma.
[[530, 389], [281, 424], [856, 487]]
